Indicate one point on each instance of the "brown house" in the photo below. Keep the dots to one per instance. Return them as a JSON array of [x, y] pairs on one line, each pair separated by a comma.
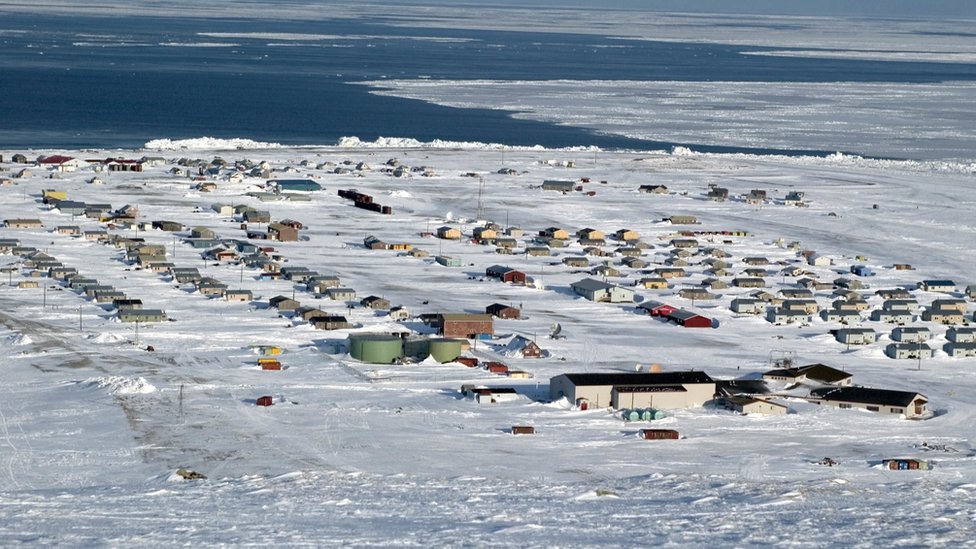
[[465, 326], [282, 232], [503, 311]]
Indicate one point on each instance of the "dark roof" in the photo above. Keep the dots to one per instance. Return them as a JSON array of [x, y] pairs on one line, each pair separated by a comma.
[[651, 389], [641, 378], [864, 395], [822, 372], [740, 386]]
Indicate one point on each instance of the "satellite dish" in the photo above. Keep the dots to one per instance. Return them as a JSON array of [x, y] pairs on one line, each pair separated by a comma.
[[554, 330]]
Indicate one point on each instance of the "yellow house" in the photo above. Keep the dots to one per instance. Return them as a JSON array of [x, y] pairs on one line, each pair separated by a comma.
[[49, 195], [554, 232], [627, 234], [590, 234], [449, 233]]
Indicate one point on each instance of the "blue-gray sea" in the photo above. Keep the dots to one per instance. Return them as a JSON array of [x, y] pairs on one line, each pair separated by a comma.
[[74, 82]]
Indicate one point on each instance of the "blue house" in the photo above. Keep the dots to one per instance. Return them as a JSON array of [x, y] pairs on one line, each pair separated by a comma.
[[861, 270]]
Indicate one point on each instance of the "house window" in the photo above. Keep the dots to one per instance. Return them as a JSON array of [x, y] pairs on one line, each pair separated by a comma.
[[843, 405], [897, 410], [873, 408]]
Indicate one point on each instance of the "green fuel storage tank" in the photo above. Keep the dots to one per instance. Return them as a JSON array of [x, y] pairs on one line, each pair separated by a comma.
[[376, 349], [445, 350]]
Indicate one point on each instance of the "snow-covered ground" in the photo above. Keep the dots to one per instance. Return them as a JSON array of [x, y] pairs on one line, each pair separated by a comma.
[[93, 427]]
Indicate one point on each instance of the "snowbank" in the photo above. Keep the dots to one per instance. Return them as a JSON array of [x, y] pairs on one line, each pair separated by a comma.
[[118, 385]]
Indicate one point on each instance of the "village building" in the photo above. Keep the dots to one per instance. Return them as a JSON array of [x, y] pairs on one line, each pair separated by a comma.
[[329, 322], [626, 235], [943, 316], [141, 315], [808, 306], [576, 261], [819, 374], [682, 220], [341, 294], [282, 232], [699, 294], [842, 316], [596, 290], [911, 334], [670, 272], [748, 305], [23, 224], [958, 334], [239, 296], [668, 390], [558, 185], [538, 251], [499, 310], [283, 304], [946, 304], [943, 286], [908, 305], [892, 317], [746, 405], [960, 350], [652, 283], [689, 319], [778, 315], [856, 336], [749, 282], [909, 404], [653, 189], [464, 325], [605, 271], [908, 351]]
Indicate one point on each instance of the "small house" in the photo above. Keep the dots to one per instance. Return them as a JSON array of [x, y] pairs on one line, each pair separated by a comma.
[[916, 351], [499, 310], [375, 302], [239, 296], [960, 350], [596, 290], [746, 405], [505, 274], [576, 261], [943, 286], [856, 336], [958, 334], [652, 283], [748, 305], [911, 334], [558, 185], [341, 294]]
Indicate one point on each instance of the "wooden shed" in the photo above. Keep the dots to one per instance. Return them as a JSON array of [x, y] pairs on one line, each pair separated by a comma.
[[264, 401]]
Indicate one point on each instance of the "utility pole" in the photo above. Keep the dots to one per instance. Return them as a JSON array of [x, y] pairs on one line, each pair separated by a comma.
[[80, 327], [481, 195]]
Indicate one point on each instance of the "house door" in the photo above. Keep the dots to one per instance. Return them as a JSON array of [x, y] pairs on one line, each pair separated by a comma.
[[919, 407], [582, 403]]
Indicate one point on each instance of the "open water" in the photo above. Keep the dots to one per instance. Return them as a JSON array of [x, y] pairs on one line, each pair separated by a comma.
[[76, 82]]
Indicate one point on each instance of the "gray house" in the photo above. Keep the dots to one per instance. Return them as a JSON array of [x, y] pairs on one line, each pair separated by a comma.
[[596, 290]]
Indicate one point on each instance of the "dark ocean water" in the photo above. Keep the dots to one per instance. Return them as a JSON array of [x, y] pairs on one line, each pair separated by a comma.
[[118, 82]]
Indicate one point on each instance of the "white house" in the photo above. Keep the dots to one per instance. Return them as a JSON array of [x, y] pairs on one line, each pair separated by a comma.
[[748, 306], [883, 401], [960, 350], [856, 336], [958, 334], [634, 390], [911, 334], [908, 350]]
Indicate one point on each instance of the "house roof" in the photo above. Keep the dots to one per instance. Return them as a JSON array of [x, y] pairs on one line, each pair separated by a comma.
[[592, 285], [865, 395], [639, 378], [822, 372]]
